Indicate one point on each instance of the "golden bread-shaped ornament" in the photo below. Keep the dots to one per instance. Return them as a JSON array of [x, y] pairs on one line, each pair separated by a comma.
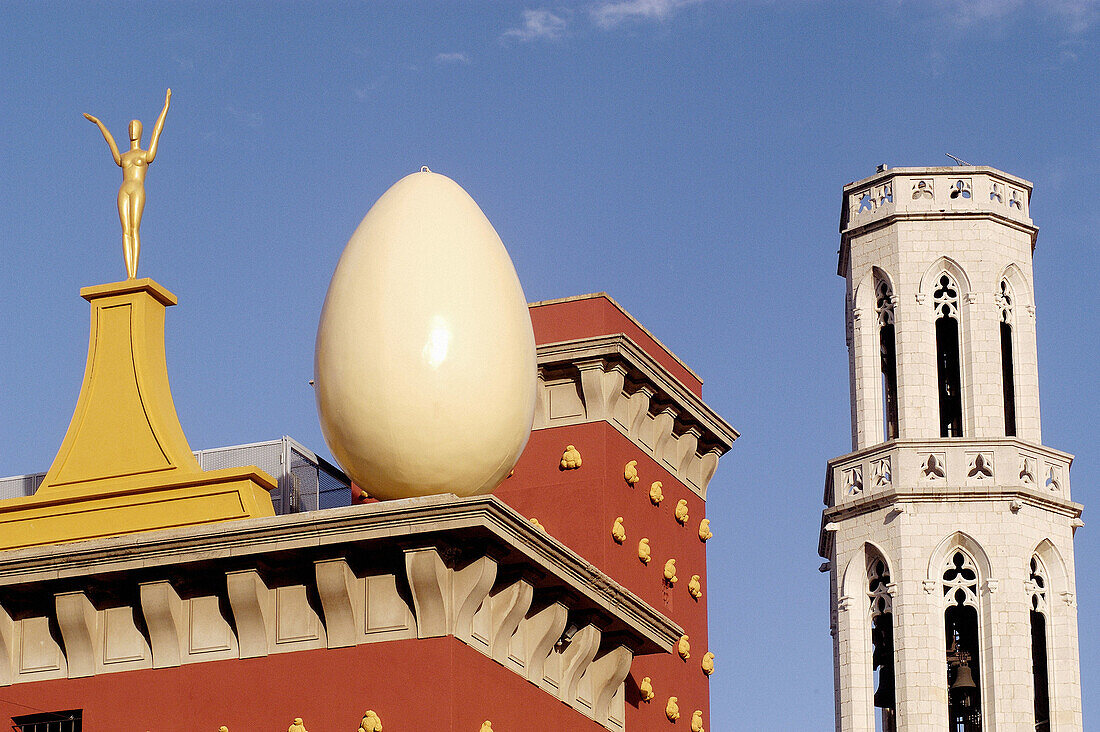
[[630, 473]]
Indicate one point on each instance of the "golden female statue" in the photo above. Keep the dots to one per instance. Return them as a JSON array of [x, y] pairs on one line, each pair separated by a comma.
[[131, 194]]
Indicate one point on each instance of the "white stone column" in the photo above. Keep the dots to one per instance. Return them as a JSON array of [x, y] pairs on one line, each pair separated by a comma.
[[1063, 662], [857, 709], [921, 679], [1026, 366], [867, 373], [915, 334]]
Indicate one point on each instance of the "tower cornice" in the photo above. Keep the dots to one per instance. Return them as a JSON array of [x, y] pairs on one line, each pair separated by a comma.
[[973, 192]]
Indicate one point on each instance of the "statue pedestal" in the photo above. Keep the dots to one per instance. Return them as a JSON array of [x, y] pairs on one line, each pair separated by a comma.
[[125, 465]]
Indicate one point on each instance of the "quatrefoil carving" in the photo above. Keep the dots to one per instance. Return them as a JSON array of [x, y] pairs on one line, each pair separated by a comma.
[[1027, 470], [934, 467], [981, 467], [853, 481]]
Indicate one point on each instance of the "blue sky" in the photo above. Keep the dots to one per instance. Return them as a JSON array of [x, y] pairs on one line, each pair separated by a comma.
[[686, 157]]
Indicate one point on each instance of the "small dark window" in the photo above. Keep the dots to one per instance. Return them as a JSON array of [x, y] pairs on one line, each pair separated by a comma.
[[1038, 590], [884, 306], [1039, 671], [948, 365], [1008, 372], [67, 721]]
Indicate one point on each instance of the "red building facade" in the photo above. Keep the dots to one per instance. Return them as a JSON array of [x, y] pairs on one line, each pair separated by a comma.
[[538, 607]]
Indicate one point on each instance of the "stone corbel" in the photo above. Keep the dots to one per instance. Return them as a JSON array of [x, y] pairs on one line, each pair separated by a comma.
[[429, 581], [509, 608], [471, 586], [602, 386], [543, 629], [251, 602], [686, 446], [929, 585], [79, 622], [707, 464], [576, 658], [663, 425], [7, 647], [542, 399], [607, 674], [162, 609], [336, 585], [640, 402]]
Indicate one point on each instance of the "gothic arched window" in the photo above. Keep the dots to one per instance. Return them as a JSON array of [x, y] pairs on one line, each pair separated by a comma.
[[945, 301], [1037, 592], [882, 639], [960, 598], [1006, 303], [884, 309]]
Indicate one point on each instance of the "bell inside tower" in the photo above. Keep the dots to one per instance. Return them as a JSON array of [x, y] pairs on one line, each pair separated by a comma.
[[882, 643], [964, 698]]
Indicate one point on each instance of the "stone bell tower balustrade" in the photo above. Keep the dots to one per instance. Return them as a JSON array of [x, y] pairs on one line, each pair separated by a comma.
[[955, 468]]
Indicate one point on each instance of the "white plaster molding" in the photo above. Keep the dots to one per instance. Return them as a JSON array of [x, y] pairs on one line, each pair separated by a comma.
[[251, 602], [429, 580], [606, 674], [470, 586], [606, 368], [336, 586], [544, 628], [510, 606], [486, 517], [575, 660], [601, 385], [78, 621], [7, 648], [163, 611]]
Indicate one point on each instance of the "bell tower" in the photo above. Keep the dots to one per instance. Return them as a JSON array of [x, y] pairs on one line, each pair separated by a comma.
[[948, 530]]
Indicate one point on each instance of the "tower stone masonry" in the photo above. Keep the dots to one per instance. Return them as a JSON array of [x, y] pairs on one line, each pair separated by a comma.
[[948, 530]]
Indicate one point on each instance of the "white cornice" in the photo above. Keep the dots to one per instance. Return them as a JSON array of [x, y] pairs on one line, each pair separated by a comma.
[[611, 378]]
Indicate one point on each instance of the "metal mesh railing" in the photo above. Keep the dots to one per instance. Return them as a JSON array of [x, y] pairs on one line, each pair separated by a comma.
[[306, 482]]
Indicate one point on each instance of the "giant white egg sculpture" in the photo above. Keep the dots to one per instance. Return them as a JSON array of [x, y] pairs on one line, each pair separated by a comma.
[[425, 360]]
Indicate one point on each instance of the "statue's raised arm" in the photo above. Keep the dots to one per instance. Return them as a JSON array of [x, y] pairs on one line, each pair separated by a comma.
[[106, 136], [158, 127]]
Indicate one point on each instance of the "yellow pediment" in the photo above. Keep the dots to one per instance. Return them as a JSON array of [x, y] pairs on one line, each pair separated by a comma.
[[125, 464]]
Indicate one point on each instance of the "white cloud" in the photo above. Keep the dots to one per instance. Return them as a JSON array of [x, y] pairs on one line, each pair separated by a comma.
[[610, 13], [1076, 16], [539, 25], [452, 58]]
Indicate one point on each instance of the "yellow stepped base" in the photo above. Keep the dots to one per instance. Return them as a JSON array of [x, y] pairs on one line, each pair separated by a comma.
[[186, 500], [125, 465]]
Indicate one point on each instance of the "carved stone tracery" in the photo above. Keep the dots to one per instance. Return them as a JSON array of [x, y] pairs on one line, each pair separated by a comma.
[[945, 298], [960, 580]]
